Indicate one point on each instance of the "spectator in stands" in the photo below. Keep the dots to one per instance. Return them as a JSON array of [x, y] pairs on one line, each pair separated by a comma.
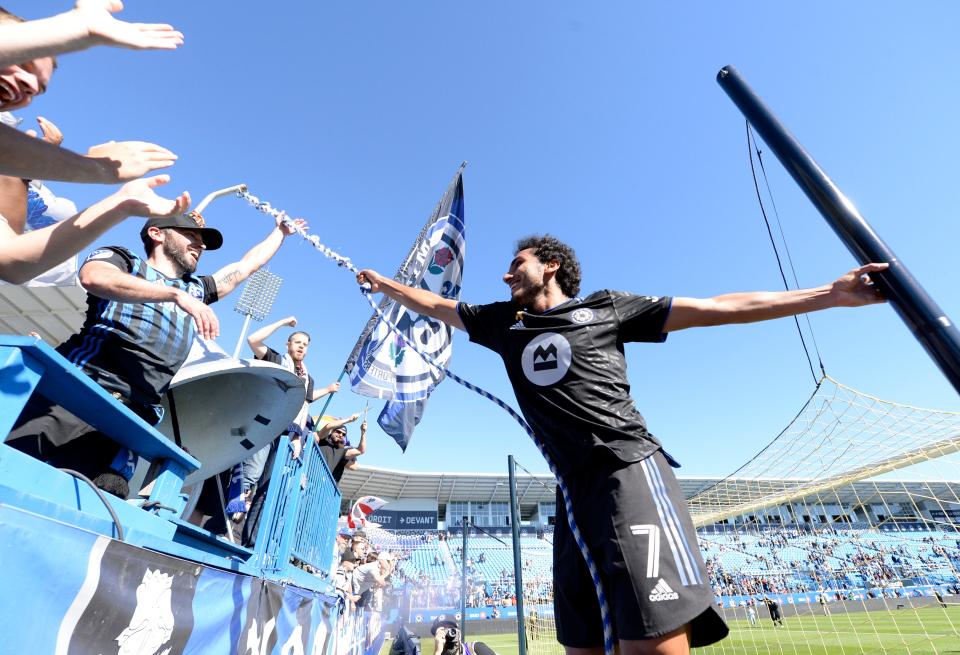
[[258, 467], [343, 543], [25, 71], [332, 437], [164, 305], [373, 574]]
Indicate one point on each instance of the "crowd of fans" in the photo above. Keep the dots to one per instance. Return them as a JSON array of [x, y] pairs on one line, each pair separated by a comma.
[[789, 561], [163, 303], [835, 565]]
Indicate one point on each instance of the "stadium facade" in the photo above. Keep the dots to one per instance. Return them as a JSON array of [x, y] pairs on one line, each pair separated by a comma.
[[484, 497]]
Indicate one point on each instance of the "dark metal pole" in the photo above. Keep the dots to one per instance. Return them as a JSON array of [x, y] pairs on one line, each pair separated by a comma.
[[932, 328], [517, 561], [463, 582]]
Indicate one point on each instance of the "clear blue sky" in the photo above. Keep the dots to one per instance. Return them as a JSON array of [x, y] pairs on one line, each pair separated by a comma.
[[598, 122]]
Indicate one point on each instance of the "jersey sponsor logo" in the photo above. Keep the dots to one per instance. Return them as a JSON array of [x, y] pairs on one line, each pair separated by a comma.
[[546, 359], [663, 592], [99, 254], [582, 315], [195, 291]]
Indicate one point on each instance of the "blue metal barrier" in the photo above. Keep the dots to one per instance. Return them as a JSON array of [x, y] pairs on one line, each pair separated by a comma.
[[270, 553], [299, 516], [28, 366], [316, 522]]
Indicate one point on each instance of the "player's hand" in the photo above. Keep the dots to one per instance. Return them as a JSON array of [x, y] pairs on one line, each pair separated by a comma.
[[208, 326], [363, 426], [353, 418], [856, 288], [290, 321], [104, 29], [139, 199], [128, 160], [371, 277], [333, 387], [297, 446], [51, 133]]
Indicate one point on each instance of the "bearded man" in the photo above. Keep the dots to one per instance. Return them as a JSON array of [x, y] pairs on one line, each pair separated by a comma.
[[142, 317]]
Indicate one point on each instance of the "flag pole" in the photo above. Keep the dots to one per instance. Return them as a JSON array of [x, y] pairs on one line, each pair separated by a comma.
[[352, 358], [929, 324], [331, 395], [210, 197]]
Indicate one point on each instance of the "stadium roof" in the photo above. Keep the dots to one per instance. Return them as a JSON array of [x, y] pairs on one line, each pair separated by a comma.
[[489, 487], [53, 312]]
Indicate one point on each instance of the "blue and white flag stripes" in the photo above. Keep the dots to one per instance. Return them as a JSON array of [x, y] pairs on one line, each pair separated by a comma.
[[381, 365]]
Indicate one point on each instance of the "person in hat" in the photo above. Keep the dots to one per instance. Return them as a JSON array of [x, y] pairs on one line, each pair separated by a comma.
[[332, 437], [142, 316]]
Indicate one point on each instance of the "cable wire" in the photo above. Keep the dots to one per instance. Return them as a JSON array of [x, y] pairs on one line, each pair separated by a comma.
[[106, 503]]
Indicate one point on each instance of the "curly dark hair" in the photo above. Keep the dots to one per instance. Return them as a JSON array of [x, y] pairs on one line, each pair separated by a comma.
[[548, 248]]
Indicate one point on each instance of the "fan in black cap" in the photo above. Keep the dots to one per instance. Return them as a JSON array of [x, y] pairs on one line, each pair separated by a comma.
[[212, 238]]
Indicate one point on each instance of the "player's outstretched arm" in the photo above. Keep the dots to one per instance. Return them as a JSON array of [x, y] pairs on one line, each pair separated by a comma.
[[89, 24], [25, 256], [118, 161], [854, 289], [419, 300]]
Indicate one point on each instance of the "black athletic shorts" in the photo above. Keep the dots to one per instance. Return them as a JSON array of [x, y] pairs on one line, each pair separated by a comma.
[[634, 519]]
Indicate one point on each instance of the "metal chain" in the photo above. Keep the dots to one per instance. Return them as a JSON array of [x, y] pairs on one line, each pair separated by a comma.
[[344, 262]]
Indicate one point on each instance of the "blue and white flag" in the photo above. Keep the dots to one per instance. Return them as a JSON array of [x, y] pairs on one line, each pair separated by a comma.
[[381, 364]]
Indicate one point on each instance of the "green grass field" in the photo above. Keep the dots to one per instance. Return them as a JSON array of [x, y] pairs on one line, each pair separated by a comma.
[[922, 632], [925, 631]]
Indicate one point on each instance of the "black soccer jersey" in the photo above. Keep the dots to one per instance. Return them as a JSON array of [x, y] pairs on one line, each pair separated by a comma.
[[136, 348], [569, 372]]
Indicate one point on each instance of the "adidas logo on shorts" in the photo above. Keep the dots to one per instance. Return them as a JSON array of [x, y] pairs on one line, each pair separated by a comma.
[[663, 592]]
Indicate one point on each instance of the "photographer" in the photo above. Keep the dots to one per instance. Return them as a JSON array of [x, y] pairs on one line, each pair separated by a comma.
[[446, 637]]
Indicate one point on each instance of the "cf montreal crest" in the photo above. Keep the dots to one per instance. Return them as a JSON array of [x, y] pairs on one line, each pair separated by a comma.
[[582, 315], [546, 359]]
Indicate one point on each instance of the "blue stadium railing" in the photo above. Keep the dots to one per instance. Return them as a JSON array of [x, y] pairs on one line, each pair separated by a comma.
[[302, 521], [297, 529]]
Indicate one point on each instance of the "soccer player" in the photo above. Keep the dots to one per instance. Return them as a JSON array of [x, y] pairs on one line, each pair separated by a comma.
[[774, 608], [564, 356], [752, 615]]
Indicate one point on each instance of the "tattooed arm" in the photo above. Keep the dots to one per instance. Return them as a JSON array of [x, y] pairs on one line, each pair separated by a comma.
[[228, 277]]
